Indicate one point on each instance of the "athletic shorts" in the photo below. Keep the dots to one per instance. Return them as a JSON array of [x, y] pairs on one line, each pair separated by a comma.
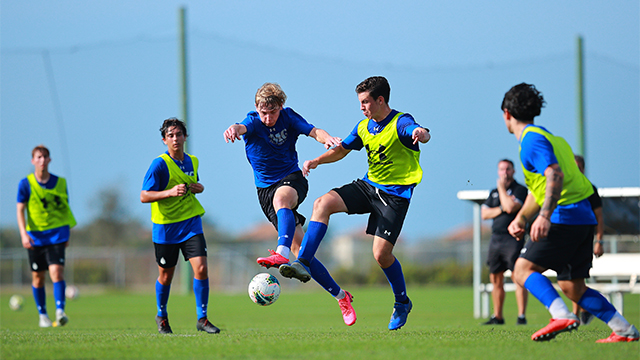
[[568, 249], [265, 195], [40, 257], [167, 254], [504, 250], [387, 212]]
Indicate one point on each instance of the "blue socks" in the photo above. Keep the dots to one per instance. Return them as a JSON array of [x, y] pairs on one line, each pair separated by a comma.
[[320, 274], [201, 290], [162, 298], [58, 294], [286, 227], [396, 280], [311, 241], [41, 299], [541, 288], [595, 303]]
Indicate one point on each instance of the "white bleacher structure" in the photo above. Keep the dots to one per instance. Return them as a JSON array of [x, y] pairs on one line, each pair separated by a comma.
[[613, 274]]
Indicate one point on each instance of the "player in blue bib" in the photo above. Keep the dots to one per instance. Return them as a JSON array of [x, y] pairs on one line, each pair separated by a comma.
[[270, 134], [562, 233], [45, 231]]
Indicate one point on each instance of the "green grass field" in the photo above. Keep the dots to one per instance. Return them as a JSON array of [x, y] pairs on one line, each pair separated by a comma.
[[300, 325]]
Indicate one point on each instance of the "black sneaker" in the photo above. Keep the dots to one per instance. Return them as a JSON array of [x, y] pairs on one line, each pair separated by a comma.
[[205, 325], [494, 321], [163, 325], [521, 321]]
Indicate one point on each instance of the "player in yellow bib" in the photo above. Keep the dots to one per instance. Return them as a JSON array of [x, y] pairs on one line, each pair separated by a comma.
[[562, 233], [391, 139], [171, 185], [45, 231]]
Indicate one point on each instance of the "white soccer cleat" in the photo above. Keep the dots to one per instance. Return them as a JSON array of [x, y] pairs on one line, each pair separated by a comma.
[[45, 322]]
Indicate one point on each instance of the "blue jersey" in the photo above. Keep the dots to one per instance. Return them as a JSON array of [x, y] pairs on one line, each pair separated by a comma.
[[536, 154], [271, 151], [405, 126], [46, 237], [156, 179]]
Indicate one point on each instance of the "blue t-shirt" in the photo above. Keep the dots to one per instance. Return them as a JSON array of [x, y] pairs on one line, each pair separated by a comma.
[[156, 179], [271, 151], [536, 155], [405, 126], [47, 237]]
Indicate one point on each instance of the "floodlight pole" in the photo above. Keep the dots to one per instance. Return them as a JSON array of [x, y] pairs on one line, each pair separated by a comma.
[[187, 274], [580, 149]]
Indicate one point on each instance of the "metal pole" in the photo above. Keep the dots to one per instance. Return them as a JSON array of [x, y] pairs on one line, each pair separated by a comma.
[[477, 231], [187, 274], [580, 100]]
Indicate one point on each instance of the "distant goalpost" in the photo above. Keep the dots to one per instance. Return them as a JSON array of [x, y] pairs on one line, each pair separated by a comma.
[[477, 197]]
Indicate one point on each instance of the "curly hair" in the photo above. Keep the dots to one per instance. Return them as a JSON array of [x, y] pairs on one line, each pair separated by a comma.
[[523, 101], [170, 122]]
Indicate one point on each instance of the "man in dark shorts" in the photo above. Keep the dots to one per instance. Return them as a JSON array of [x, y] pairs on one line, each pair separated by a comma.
[[171, 185], [562, 233], [270, 134], [502, 205], [391, 140], [45, 231]]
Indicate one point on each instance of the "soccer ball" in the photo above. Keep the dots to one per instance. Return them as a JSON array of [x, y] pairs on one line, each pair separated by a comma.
[[16, 302], [264, 289], [71, 292]]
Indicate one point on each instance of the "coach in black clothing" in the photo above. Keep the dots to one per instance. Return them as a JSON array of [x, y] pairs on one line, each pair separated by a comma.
[[503, 204]]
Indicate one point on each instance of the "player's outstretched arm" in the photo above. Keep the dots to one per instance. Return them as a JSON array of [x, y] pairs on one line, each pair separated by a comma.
[[420, 134], [332, 155], [323, 137], [234, 132]]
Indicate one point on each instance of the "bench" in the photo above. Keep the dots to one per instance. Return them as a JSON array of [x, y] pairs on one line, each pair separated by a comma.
[[611, 274]]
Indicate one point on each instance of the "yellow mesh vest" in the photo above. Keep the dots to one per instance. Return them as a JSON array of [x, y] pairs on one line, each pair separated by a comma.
[[575, 186], [390, 162], [175, 209], [48, 208]]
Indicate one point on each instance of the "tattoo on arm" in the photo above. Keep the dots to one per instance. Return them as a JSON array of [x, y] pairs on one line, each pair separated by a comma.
[[552, 192]]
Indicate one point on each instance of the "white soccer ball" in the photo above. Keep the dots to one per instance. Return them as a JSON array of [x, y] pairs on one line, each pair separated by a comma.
[[16, 302], [71, 292], [264, 289]]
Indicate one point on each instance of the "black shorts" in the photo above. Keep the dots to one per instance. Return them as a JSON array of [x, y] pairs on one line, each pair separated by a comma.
[[167, 254], [504, 250], [265, 195], [568, 249], [40, 257], [387, 211]]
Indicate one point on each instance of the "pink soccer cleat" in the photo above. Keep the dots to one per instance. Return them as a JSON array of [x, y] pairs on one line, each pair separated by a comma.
[[555, 327], [348, 314], [274, 260]]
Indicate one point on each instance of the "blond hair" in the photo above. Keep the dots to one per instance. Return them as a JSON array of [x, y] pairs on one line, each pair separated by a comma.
[[270, 95]]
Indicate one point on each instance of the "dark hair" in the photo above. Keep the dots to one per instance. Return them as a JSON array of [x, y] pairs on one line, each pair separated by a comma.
[[523, 101], [509, 161], [376, 86], [170, 122]]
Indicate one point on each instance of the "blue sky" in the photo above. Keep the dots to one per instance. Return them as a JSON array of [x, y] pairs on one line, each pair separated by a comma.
[[114, 65]]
